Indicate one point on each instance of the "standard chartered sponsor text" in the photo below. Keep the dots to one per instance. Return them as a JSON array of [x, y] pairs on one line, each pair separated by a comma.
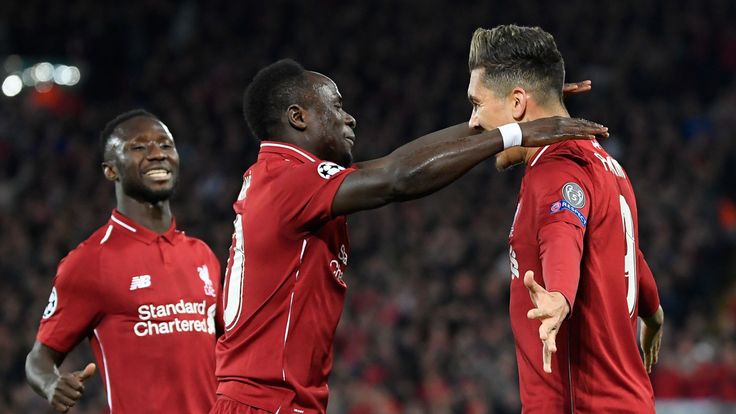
[[149, 314]]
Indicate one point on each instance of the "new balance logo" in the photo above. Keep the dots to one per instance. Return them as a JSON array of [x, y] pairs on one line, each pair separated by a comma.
[[140, 282]]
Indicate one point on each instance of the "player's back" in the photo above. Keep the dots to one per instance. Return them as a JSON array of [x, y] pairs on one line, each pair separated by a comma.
[[605, 353], [597, 367]]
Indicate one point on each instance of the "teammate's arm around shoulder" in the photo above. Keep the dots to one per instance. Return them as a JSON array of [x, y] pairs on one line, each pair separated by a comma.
[[433, 161], [62, 391]]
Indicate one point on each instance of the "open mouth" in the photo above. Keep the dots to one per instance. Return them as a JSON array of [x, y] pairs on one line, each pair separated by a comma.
[[158, 174]]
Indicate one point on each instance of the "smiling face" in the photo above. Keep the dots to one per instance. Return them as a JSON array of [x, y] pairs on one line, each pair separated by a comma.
[[141, 157], [333, 133]]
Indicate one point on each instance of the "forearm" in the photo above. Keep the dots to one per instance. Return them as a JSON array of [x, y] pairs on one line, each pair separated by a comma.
[[656, 320], [42, 369], [560, 251], [41, 373], [435, 160]]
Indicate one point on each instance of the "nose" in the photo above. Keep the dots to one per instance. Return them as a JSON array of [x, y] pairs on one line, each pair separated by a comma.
[[350, 121], [155, 152], [473, 121]]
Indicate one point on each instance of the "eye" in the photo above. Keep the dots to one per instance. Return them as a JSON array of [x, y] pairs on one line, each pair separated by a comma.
[[166, 146], [137, 147]]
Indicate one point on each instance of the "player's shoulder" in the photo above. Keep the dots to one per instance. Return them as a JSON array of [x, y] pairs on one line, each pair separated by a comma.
[[564, 158], [85, 258], [563, 153], [563, 164], [195, 244]]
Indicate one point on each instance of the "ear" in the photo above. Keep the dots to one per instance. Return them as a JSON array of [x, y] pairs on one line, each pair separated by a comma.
[[297, 117], [519, 101], [110, 171]]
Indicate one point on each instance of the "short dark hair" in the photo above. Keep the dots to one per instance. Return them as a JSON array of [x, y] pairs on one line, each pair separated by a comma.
[[106, 133], [519, 56], [270, 93]]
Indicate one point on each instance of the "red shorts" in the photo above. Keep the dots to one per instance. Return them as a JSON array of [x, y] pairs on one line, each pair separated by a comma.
[[225, 405]]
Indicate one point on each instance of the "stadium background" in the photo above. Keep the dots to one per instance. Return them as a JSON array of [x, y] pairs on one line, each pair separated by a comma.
[[425, 326]]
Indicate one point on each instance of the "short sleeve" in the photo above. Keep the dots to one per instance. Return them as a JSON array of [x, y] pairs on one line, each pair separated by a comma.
[[560, 190], [306, 192], [73, 308]]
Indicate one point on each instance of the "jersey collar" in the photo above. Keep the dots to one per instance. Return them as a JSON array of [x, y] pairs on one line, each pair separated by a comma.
[[534, 159], [135, 230], [285, 149]]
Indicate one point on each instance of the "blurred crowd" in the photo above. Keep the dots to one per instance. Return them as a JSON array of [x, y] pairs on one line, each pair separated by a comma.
[[425, 328]]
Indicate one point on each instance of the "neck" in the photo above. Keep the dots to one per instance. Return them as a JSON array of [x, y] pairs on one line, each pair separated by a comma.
[[540, 112], [153, 216]]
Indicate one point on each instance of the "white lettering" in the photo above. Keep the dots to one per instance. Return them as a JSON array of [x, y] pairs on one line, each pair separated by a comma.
[[514, 264], [611, 165], [149, 312], [149, 328]]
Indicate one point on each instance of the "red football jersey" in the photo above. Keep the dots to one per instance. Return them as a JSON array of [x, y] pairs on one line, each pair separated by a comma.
[[148, 304], [576, 228], [284, 287]]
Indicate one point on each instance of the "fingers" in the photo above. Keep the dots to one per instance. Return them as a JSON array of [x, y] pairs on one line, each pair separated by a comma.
[[578, 87], [546, 358], [585, 124], [67, 391], [548, 329], [549, 347], [579, 126], [62, 408], [88, 371], [537, 313], [532, 284], [62, 403]]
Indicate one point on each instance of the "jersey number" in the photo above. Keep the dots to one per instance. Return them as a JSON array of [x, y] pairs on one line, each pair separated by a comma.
[[630, 258], [234, 278]]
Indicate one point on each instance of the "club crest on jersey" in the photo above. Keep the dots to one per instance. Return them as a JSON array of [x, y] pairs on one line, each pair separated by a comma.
[[328, 169], [335, 267], [51, 307], [573, 194], [245, 187], [204, 274]]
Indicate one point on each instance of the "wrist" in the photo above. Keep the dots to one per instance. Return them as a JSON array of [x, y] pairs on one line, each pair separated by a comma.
[[562, 299], [511, 134]]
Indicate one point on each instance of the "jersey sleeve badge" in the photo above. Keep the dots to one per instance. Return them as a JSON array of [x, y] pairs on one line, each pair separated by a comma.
[[573, 194], [51, 307], [328, 169]]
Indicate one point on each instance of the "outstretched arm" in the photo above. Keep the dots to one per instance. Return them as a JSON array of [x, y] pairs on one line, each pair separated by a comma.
[[62, 391], [433, 161]]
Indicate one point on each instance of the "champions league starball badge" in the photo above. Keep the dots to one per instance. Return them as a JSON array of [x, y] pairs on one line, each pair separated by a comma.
[[51, 307], [328, 169], [573, 194]]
